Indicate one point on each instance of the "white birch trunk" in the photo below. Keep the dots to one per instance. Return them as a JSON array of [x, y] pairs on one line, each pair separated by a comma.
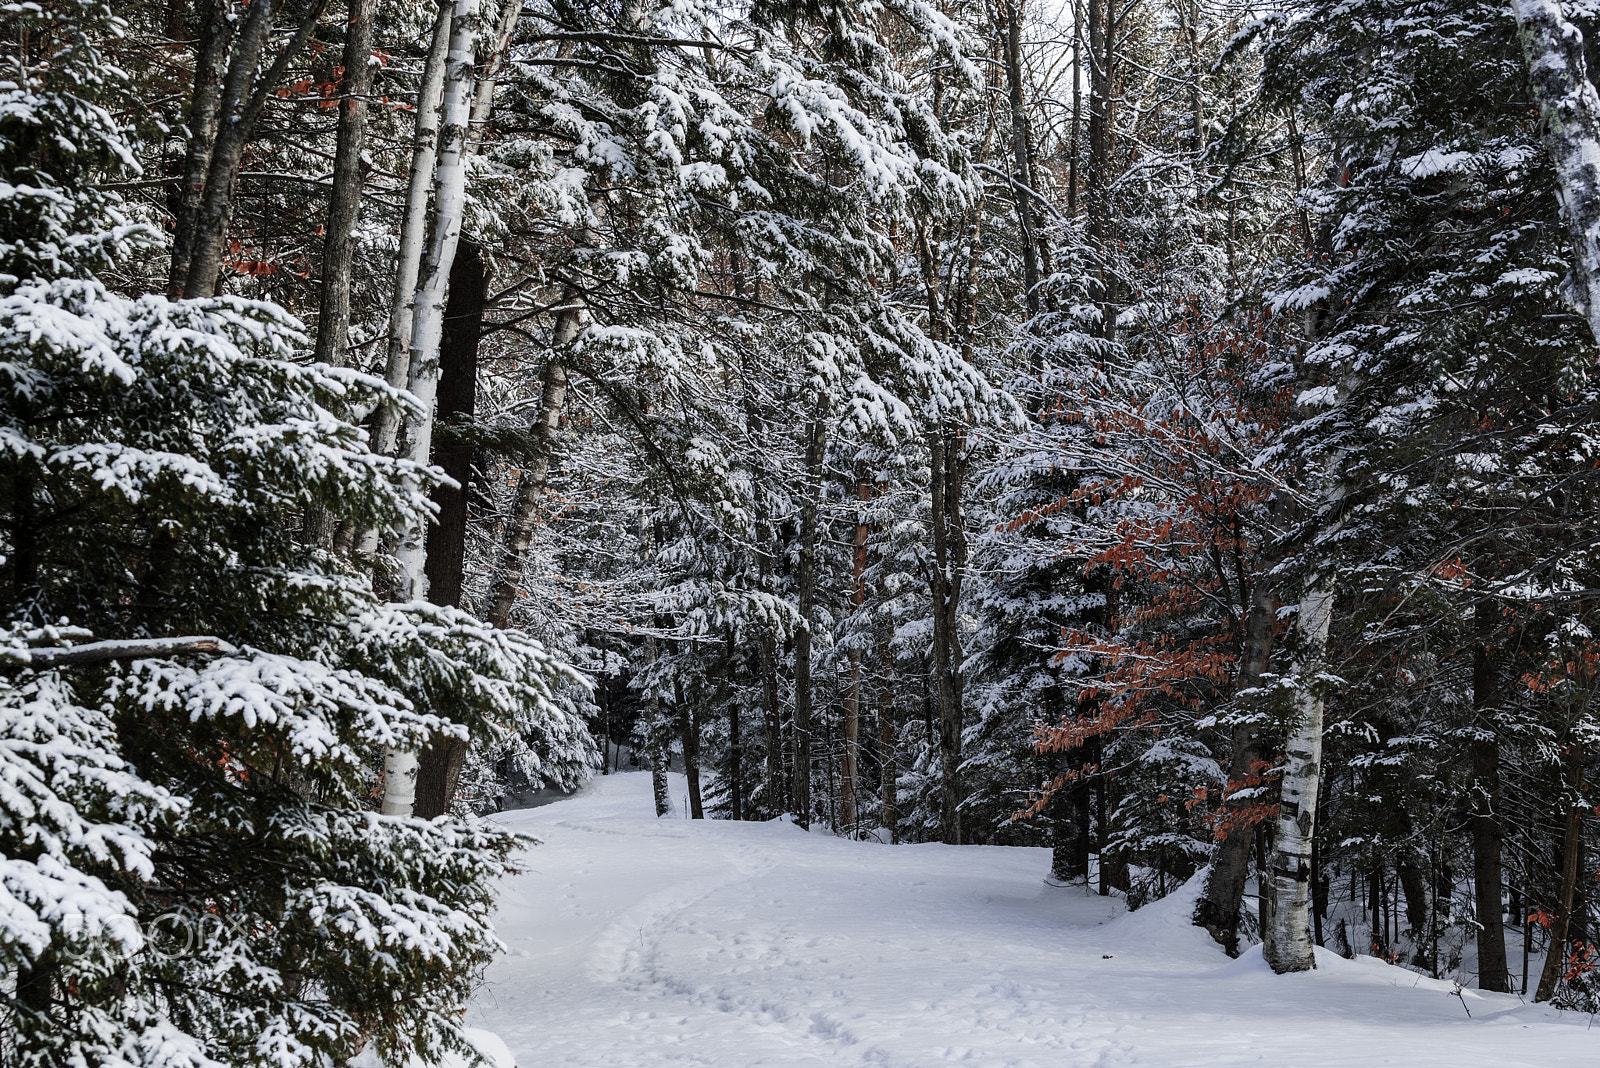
[[483, 99], [449, 202], [1286, 933], [1570, 107], [1287, 938], [413, 231]]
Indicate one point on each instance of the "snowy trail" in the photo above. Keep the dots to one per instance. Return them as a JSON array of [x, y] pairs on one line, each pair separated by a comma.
[[643, 942]]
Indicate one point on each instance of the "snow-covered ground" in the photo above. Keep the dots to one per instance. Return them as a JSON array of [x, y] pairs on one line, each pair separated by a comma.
[[643, 942]]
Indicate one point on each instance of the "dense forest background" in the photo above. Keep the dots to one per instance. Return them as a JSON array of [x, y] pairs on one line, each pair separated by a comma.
[[1132, 427]]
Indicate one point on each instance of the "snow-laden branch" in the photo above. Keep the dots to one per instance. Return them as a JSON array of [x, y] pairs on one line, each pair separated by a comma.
[[100, 652]]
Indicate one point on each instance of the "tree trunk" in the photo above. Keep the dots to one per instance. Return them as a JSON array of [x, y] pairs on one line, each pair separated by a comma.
[[943, 582], [1022, 180], [536, 474], [1555, 961], [1069, 838], [483, 100], [888, 747], [735, 747], [1076, 128], [243, 97], [766, 551], [657, 752], [852, 701], [344, 204], [777, 789], [413, 233], [815, 440], [1288, 944], [1493, 970], [441, 761], [689, 733], [400, 766], [1217, 909], [205, 109], [1570, 107], [1415, 886]]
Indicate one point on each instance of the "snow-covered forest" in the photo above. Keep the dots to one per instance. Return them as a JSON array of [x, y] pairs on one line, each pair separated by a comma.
[[1153, 437]]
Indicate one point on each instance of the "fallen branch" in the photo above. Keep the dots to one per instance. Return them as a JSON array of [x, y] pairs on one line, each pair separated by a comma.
[[99, 652]]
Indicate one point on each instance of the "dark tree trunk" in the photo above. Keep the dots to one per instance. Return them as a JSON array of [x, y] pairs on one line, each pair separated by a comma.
[[1493, 971], [216, 35], [344, 203], [1380, 940], [1022, 182], [1071, 835], [944, 576], [815, 435], [1571, 851], [888, 743], [689, 735], [243, 97], [735, 748], [849, 772], [1218, 907], [457, 400], [1415, 886], [777, 789], [440, 763]]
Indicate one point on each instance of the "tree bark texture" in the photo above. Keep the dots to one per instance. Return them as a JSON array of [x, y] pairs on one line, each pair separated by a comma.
[[807, 580], [736, 805], [441, 761], [483, 99], [243, 97], [344, 203], [427, 330], [1570, 107], [1022, 177], [536, 475], [1217, 909], [449, 200], [689, 738], [888, 743], [413, 234], [205, 107], [1493, 969], [945, 586], [1555, 961], [852, 701], [1288, 942]]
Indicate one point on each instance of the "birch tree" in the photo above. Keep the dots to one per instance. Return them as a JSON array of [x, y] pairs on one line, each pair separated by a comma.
[[427, 330], [1570, 107]]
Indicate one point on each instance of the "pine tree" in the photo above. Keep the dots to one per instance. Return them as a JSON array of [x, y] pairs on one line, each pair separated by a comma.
[[196, 696]]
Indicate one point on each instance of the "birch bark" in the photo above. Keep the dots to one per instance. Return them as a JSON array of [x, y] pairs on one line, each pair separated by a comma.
[[413, 230], [1287, 941], [531, 483], [1553, 47], [449, 201]]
